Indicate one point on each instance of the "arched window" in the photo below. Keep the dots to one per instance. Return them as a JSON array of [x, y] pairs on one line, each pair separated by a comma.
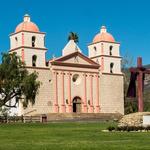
[[16, 39], [111, 67], [34, 58], [95, 50], [33, 41], [110, 50]]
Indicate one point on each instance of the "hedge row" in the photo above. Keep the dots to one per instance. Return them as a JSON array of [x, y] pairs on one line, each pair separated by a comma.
[[129, 128]]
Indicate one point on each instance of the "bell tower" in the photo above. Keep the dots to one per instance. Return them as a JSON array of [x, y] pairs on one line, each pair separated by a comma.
[[29, 43], [105, 51]]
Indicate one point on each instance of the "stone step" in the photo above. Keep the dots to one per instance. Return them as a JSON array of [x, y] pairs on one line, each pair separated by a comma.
[[82, 116]]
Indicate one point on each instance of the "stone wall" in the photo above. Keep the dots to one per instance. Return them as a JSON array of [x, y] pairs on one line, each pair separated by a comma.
[[134, 119], [111, 94], [44, 99]]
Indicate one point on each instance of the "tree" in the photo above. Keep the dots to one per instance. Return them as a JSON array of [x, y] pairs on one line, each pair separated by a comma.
[[16, 82], [73, 36]]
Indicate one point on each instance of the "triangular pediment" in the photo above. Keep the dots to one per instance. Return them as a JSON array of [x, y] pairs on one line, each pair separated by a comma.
[[75, 58]]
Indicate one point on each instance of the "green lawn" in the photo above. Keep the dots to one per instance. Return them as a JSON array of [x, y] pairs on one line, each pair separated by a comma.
[[69, 136]]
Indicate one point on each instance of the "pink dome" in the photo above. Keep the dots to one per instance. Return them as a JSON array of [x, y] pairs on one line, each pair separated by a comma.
[[103, 36], [27, 25]]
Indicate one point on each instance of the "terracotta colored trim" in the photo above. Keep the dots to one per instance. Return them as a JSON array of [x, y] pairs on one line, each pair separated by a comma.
[[63, 58], [113, 74], [22, 55], [27, 32], [103, 42], [85, 95], [56, 93], [91, 94], [102, 48], [97, 94], [63, 107], [76, 71], [57, 63], [69, 93], [39, 68], [45, 49], [102, 64], [22, 39], [22, 51], [91, 82], [105, 56]]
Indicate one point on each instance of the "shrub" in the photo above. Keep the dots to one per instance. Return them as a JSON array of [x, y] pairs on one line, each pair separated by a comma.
[[119, 129], [148, 127], [129, 128], [124, 128], [140, 128], [111, 128]]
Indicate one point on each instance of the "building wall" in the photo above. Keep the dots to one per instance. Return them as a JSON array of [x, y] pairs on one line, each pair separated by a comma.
[[103, 48], [28, 54], [111, 98], [44, 99], [76, 89], [25, 39], [15, 40], [100, 53], [105, 64], [111, 94]]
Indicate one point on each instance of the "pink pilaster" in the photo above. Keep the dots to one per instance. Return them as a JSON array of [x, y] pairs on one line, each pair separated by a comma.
[[56, 109], [102, 49], [22, 51], [69, 93], [102, 64], [63, 108], [102, 58], [85, 98], [91, 94], [97, 95]]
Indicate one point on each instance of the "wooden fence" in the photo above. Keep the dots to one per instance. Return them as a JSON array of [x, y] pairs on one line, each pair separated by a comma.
[[23, 119]]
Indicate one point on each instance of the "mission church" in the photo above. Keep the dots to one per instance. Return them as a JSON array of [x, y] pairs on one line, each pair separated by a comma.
[[73, 82]]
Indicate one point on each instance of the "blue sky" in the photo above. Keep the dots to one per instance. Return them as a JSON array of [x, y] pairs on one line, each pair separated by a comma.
[[127, 20]]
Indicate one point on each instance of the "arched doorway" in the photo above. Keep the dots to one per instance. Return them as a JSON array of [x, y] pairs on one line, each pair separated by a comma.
[[76, 105]]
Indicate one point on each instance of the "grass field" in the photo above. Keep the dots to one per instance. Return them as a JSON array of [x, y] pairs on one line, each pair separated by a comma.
[[69, 136]]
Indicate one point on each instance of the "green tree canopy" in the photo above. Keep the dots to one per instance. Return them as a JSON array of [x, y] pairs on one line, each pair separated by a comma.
[[73, 36], [16, 82]]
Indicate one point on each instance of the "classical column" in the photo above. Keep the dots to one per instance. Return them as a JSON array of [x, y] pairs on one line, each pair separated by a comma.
[[69, 93], [22, 51], [56, 109], [91, 93], [97, 95], [85, 97], [63, 108]]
